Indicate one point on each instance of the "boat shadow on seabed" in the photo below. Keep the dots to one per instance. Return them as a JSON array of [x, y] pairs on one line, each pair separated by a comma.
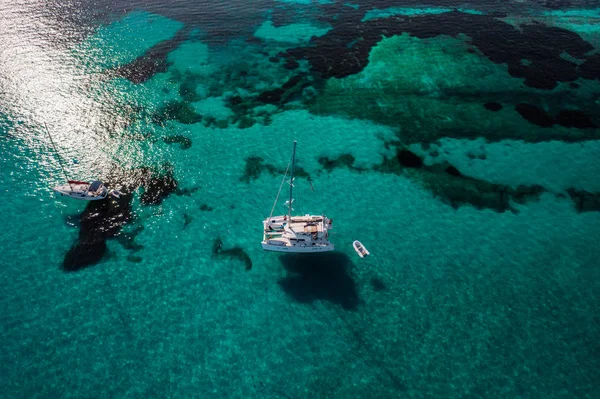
[[321, 276]]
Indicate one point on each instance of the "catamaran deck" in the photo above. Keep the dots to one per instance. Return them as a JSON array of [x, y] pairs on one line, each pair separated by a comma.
[[308, 233], [298, 224]]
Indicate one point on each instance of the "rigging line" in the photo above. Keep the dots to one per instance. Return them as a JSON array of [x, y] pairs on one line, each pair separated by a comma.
[[279, 192], [59, 160], [292, 182], [297, 200]]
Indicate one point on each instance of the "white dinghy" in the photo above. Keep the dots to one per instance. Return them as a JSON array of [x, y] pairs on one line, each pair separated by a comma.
[[360, 249]]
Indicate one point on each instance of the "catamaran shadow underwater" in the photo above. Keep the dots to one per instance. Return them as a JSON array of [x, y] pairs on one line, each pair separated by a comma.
[[86, 191]]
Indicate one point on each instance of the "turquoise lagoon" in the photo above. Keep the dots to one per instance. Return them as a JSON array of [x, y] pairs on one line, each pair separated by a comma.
[[464, 295]]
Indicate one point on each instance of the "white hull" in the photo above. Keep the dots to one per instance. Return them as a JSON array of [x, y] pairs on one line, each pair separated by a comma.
[[300, 234], [298, 249], [80, 192], [79, 197]]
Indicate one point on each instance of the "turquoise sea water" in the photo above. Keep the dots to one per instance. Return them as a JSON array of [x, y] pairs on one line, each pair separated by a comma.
[[467, 166]]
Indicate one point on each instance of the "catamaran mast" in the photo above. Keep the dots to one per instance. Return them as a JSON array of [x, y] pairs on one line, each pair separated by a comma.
[[59, 160], [292, 182]]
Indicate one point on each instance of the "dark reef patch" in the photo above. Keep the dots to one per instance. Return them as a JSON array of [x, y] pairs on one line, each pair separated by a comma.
[[493, 106], [344, 160], [256, 165], [534, 115], [187, 220], [240, 107], [187, 89], [254, 40], [293, 81], [567, 118], [291, 64], [176, 110], [271, 96], [446, 182], [460, 190], [556, 4], [574, 118], [345, 49], [206, 208], [245, 122], [451, 170], [296, 88], [289, 91], [299, 173], [183, 141], [153, 61], [235, 252], [584, 200], [322, 276], [281, 16], [218, 123], [409, 159]]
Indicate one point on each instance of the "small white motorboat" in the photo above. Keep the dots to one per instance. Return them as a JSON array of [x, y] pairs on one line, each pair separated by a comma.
[[81, 190], [360, 249]]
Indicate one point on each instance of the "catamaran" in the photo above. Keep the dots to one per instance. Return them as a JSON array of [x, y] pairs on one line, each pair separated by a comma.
[[287, 233], [81, 190]]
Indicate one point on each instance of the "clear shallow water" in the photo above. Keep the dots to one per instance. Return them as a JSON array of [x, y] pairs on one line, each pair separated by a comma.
[[475, 288]]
